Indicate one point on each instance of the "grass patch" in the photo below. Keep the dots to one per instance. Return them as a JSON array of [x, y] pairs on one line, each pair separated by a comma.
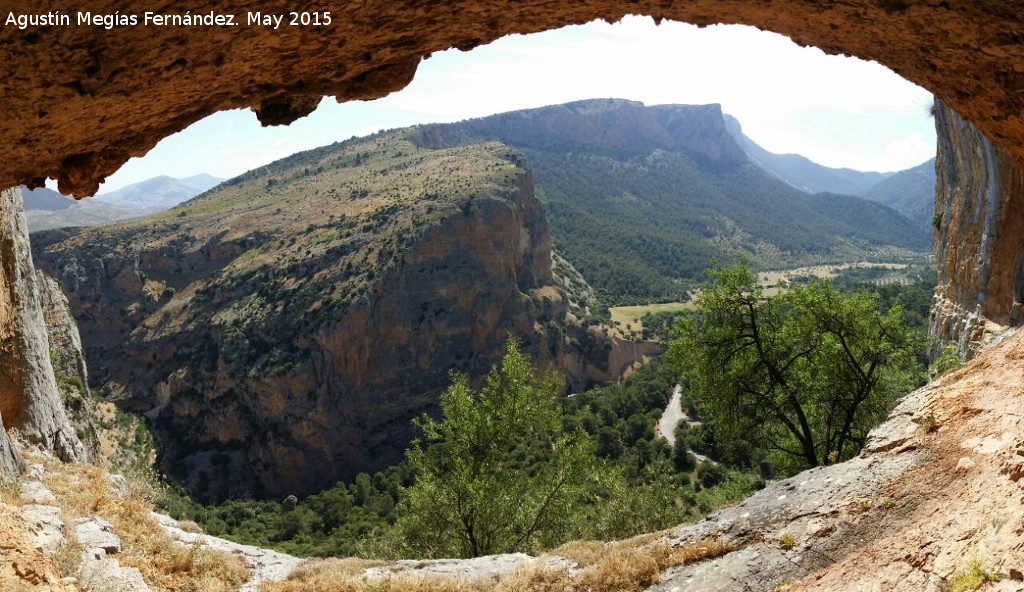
[[787, 541], [10, 493], [631, 315], [973, 577]]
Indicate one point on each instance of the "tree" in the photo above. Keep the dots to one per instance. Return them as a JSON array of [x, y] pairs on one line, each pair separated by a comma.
[[478, 490], [806, 372]]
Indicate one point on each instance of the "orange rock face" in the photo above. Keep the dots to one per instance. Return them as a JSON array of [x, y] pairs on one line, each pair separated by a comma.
[[80, 100], [979, 236]]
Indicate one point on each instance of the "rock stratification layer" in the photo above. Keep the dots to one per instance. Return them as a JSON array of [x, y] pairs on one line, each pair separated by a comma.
[[979, 236], [80, 100], [29, 399]]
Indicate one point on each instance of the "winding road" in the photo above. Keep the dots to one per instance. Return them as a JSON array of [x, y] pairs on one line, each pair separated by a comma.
[[671, 417]]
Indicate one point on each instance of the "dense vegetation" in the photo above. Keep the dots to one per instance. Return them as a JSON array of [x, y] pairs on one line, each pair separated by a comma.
[[912, 289], [640, 485], [801, 375]]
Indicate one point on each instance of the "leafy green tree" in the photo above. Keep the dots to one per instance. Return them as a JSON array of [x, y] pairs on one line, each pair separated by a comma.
[[806, 373], [479, 489]]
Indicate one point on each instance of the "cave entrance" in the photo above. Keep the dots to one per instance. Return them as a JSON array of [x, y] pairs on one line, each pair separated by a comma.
[[206, 290]]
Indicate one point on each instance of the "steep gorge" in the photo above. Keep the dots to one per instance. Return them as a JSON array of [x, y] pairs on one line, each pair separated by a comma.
[[279, 350]]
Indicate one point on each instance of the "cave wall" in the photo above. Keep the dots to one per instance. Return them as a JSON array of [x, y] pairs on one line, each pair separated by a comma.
[[79, 100], [978, 238]]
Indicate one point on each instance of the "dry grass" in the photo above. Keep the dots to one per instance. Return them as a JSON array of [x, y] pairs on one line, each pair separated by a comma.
[[623, 566], [165, 565], [10, 493], [69, 556]]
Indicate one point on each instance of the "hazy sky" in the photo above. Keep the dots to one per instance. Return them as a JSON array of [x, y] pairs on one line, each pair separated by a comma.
[[837, 111]]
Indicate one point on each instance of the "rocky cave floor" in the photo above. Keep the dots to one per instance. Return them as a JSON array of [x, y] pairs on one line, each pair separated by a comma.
[[937, 486]]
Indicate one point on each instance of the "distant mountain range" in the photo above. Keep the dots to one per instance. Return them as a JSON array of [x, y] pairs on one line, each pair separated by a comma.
[[910, 192], [160, 192], [801, 172], [642, 199], [46, 208]]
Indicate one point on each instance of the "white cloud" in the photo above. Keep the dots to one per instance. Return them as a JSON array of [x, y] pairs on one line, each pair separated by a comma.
[[912, 148]]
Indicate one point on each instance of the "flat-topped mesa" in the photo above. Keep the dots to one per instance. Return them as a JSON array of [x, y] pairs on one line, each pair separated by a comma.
[[612, 127]]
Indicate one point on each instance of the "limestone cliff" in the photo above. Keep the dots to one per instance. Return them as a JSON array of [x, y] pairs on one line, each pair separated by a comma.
[[278, 350], [68, 360], [29, 399], [979, 236]]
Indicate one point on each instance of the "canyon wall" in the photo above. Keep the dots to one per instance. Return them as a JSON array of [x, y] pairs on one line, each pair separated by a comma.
[[979, 236], [30, 401], [299, 392]]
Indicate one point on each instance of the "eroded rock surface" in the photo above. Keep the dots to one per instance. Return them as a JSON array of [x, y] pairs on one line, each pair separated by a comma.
[[266, 564], [979, 236], [79, 101], [29, 398]]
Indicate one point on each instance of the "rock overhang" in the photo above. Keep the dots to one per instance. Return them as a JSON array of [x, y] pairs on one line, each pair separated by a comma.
[[80, 100]]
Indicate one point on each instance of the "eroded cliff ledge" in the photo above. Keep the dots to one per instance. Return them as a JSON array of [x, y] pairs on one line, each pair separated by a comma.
[[80, 100]]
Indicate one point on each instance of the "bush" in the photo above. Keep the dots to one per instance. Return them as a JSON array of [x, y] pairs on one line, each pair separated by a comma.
[[947, 360]]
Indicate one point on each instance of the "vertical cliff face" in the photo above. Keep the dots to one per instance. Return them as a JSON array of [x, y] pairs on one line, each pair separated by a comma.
[[29, 399], [68, 360], [279, 350], [979, 236], [463, 287]]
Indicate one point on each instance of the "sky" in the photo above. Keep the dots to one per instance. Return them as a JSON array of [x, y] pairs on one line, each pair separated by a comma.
[[838, 111]]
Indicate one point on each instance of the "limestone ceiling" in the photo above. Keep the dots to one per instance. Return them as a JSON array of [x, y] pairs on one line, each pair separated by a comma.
[[78, 101]]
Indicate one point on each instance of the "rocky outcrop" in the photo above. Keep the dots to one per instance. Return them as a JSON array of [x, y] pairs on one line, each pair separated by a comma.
[[29, 399], [68, 360], [80, 100], [10, 461], [293, 350], [266, 565], [66, 352], [979, 236]]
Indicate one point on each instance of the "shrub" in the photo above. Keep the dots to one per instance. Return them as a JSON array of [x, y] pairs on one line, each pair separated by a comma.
[[947, 360]]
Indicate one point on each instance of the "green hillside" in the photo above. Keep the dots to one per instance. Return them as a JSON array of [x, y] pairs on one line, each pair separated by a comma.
[[910, 192]]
